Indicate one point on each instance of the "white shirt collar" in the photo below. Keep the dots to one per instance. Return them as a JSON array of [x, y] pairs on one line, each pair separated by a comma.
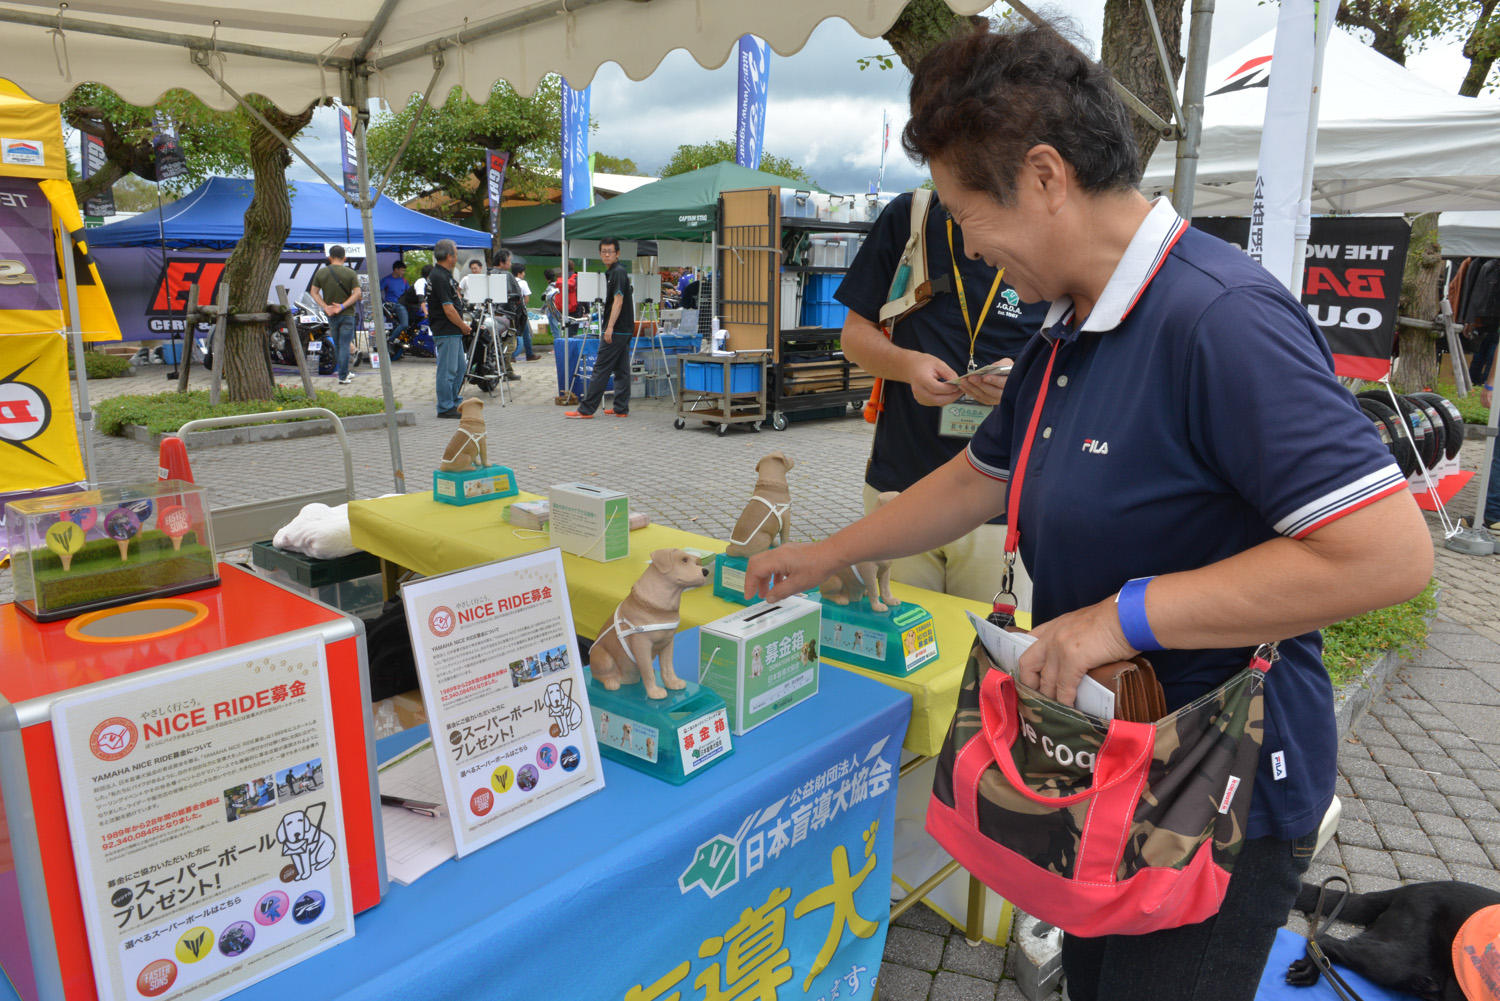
[[1143, 258]]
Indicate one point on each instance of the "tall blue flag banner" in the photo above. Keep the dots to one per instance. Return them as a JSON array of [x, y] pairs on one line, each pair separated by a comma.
[[164, 143], [350, 153], [750, 116], [93, 159], [578, 185], [495, 163]]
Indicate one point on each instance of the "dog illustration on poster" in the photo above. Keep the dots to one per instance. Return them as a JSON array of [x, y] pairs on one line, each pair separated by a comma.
[[305, 842], [565, 713]]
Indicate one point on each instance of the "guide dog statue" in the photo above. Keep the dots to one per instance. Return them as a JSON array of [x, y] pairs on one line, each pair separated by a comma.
[[642, 627], [871, 580], [466, 449], [767, 516]]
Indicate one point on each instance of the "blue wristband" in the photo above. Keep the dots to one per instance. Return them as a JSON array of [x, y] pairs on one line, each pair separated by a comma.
[[1130, 605]]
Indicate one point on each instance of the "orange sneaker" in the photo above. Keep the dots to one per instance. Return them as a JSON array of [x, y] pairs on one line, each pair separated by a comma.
[[616, 413], [579, 415]]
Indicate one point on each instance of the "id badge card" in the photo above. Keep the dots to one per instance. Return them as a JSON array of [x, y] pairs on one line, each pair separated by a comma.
[[962, 419]]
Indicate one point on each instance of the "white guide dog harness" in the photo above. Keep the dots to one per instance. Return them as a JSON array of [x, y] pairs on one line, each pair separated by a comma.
[[772, 511], [622, 628], [474, 438]]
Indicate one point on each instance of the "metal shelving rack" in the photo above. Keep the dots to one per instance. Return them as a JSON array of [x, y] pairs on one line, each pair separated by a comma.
[[808, 370]]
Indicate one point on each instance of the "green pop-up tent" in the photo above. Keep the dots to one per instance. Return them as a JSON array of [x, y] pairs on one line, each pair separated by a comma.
[[684, 207]]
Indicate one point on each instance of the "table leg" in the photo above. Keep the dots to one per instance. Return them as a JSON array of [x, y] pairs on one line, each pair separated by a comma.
[[390, 578]]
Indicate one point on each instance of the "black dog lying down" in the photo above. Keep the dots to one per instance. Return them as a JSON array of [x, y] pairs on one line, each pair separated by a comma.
[[1407, 943]]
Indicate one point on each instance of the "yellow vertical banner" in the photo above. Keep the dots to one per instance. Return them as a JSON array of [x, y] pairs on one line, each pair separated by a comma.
[[38, 442]]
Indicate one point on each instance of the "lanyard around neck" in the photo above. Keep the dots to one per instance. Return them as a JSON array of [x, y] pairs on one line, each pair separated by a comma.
[[1018, 468], [970, 327]]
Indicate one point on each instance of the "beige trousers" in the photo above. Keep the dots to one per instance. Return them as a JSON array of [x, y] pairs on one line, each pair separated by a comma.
[[969, 567]]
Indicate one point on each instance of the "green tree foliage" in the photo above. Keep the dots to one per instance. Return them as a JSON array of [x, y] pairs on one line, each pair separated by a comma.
[[692, 156], [213, 143], [446, 152], [1397, 28], [606, 164]]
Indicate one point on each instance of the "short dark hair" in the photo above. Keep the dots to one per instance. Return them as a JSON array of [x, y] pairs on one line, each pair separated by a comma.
[[518, 269], [502, 257], [981, 101], [609, 241], [399, 264], [551, 274], [337, 253]]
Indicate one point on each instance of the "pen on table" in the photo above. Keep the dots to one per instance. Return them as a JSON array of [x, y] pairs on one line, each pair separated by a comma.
[[414, 805]]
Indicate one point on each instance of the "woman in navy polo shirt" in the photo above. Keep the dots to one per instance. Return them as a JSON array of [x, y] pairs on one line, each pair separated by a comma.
[[1192, 456]]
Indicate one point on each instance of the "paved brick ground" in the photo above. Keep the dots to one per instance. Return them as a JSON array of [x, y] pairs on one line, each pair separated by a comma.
[[1418, 776]]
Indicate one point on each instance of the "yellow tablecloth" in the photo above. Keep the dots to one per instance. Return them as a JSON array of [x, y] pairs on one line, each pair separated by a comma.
[[418, 533]]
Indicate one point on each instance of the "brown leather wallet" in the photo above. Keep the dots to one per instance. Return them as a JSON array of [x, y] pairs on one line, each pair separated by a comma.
[[1138, 694]]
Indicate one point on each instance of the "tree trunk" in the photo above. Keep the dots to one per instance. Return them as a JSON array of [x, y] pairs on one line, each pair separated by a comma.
[[1420, 288], [252, 265], [1129, 52], [1481, 48], [924, 24], [85, 189]]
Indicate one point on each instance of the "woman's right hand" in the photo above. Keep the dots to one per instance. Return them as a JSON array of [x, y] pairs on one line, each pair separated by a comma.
[[928, 377], [789, 569]]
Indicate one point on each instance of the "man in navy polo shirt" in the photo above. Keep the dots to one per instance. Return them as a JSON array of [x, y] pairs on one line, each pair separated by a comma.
[[937, 342], [1185, 474]]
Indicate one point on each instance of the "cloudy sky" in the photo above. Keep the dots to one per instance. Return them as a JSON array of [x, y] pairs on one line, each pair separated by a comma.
[[823, 111]]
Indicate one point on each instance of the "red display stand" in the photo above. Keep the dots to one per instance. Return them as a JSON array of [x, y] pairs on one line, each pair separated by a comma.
[[43, 943], [1446, 487]]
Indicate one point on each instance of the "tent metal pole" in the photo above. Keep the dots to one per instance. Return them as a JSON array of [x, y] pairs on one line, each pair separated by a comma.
[[1487, 463], [1303, 226], [1194, 83], [377, 319], [75, 333]]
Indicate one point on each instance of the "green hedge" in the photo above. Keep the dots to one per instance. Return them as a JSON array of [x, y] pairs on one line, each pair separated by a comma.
[[162, 413], [98, 365], [1352, 645]]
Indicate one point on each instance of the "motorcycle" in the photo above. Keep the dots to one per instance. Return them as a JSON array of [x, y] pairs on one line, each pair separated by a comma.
[[312, 325], [417, 338]]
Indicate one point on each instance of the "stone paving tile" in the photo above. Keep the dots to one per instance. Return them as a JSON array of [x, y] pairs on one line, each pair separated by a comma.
[[1367, 883], [1428, 800], [924, 918], [1440, 825], [1355, 809], [1474, 809], [1365, 767], [1440, 762], [984, 960], [1466, 649], [1009, 991], [1405, 839], [1451, 785], [1369, 788], [1392, 813], [1417, 743], [1481, 875], [1369, 861], [948, 986], [1393, 756], [919, 950], [1408, 779], [1473, 761], [1419, 867], [1359, 833], [1437, 685], [1464, 850], [899, 983]]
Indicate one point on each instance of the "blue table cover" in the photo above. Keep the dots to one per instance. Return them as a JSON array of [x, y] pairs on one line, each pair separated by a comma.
[[769, 871]]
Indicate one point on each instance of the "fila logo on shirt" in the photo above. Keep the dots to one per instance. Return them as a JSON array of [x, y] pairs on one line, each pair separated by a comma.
[[1095, 447]]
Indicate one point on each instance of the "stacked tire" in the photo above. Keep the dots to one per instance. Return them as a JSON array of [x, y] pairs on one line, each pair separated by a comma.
[[1436, 426]]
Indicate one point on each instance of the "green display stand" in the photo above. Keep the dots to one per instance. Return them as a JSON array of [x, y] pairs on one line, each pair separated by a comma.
[[729, 579], [895, 642], [473, 485], [674, 738]]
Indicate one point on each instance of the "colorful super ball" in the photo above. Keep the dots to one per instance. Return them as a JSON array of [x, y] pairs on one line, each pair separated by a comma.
[[122, 524]]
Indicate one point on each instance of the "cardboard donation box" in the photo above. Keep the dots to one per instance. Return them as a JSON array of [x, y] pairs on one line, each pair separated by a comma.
[[589, 521], [186, 791], [762, 660]]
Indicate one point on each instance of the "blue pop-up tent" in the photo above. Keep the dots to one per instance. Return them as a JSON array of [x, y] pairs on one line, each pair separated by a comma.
[[213, 215]]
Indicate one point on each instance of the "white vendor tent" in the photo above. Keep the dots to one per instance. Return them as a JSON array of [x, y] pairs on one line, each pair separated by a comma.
[[1469, 234], [1388, 141]]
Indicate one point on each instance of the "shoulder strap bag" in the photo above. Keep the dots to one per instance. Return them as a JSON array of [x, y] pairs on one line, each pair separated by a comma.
[[1099, 827]]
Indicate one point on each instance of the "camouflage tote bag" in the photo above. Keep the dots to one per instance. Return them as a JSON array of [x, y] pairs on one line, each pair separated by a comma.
[[1098, 827]]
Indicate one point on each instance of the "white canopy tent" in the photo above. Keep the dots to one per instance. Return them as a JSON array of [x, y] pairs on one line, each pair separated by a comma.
[[1388, 141], [1469, 234]]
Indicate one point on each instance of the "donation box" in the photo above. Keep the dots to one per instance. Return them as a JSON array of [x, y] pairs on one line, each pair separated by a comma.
[[44, 936]]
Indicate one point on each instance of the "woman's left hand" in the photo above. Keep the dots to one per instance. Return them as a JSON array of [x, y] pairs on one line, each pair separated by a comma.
[[1070, 646]]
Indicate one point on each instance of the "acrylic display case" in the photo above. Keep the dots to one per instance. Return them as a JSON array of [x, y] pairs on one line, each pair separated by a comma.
[[90, 549]]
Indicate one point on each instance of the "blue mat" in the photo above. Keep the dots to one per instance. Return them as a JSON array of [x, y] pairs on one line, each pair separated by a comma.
[[1291, 947]]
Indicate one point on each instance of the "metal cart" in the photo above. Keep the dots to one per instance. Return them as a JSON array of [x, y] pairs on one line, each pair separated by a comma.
[[713, 391]]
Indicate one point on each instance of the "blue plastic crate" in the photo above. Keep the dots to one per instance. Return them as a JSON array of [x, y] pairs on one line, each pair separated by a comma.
[[708, 377], [824, 314], [821, 288]]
